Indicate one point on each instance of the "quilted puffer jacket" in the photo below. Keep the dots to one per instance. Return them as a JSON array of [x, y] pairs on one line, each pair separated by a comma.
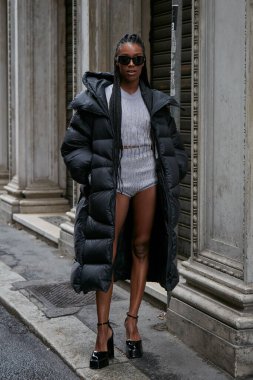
[[88, 150]]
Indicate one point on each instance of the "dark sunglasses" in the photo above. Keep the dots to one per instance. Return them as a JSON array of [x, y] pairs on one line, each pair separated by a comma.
[[125, 60]]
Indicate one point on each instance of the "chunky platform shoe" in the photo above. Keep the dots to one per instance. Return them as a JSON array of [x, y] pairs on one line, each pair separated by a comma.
[[100, 359], [133, 347]]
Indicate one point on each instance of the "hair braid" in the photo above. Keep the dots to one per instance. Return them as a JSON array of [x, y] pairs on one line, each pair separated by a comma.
[[115, 114], [115, 101]]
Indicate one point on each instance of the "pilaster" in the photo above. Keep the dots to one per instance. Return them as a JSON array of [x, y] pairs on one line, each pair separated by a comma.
[[212, 309], [4, 165], [37, 103]]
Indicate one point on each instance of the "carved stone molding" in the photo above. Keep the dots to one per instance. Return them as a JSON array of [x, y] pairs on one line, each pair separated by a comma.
[[195, 127], [248, 230], [221, 267]]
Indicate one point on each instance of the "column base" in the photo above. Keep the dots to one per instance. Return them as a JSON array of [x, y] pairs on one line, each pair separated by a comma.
[[11, 204], [47, 205], [66, 242], [219, 328]]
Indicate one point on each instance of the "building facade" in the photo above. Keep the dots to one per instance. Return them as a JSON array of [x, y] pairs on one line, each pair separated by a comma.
[[46, 46]]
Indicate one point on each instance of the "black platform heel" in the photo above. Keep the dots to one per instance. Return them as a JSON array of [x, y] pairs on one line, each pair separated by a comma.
[[133, 347], [100, 359]]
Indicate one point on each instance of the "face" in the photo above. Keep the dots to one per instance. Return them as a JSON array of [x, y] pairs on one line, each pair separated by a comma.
[[130, 73]]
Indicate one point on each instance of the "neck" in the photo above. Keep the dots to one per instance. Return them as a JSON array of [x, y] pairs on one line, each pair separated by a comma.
[[130, 87]]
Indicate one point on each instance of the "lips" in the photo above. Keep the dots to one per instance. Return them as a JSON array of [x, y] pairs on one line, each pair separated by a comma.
[[131, 72]]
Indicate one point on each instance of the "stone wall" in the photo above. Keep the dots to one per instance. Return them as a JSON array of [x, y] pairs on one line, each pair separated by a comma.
[[212, 309]]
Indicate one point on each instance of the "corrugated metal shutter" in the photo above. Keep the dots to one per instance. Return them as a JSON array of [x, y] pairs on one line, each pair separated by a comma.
[[160, 39]]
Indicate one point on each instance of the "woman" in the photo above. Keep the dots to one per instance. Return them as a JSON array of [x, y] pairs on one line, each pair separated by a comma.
[[122, 146]]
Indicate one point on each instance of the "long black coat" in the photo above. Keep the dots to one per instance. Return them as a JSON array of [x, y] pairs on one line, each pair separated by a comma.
[[88, 153]]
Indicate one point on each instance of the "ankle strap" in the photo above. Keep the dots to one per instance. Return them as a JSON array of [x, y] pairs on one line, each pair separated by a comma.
[[103, 323], [132, 316]]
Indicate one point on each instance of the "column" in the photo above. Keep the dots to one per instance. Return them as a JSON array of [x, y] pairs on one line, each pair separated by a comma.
[[4, 165], [211, 310], [100, 24], [37, 123]]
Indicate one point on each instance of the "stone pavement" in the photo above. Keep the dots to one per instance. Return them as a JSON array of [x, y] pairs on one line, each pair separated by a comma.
[[34, 286]]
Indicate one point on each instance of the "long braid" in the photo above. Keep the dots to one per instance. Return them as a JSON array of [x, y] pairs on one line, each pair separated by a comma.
[[115, 114], [115, 101]]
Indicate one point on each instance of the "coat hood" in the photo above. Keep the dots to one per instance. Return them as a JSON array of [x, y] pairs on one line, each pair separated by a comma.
[[94, 82], [93, 99]]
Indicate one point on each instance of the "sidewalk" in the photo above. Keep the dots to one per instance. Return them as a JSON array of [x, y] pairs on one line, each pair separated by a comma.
[[34, 286]]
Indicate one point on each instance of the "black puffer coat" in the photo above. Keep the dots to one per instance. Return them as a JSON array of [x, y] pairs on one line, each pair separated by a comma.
[[88, 153]]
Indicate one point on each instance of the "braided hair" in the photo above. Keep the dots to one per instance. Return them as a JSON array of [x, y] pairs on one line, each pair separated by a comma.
[[115, 100]]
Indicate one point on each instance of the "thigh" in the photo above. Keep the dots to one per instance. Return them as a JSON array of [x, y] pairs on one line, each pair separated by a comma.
[[144, 204], [121, 210]]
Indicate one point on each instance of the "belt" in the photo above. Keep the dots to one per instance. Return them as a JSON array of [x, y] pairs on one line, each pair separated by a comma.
[[136, 146]]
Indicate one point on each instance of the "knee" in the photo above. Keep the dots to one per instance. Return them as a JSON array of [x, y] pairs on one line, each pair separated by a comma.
[[140, 249]]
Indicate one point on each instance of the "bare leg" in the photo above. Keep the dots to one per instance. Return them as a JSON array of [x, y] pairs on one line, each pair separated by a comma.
[[103, 300], [144, 210]]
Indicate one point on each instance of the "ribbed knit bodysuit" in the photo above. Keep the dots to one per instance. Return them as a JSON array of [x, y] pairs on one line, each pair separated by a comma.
[[137, 163]]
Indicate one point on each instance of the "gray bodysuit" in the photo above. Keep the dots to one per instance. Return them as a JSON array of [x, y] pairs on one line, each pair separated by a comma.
[[137, 163]]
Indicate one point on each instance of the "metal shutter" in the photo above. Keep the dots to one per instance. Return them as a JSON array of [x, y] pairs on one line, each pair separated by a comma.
[[160, 36]]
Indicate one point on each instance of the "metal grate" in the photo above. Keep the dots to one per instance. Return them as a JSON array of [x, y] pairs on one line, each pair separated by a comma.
[[62, 295], [58, 299]]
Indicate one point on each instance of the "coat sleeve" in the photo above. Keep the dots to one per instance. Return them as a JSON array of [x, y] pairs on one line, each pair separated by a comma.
[[181, 155], [76, 147]]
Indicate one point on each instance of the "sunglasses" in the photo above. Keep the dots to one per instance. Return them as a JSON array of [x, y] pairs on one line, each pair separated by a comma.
[[125, 60]]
